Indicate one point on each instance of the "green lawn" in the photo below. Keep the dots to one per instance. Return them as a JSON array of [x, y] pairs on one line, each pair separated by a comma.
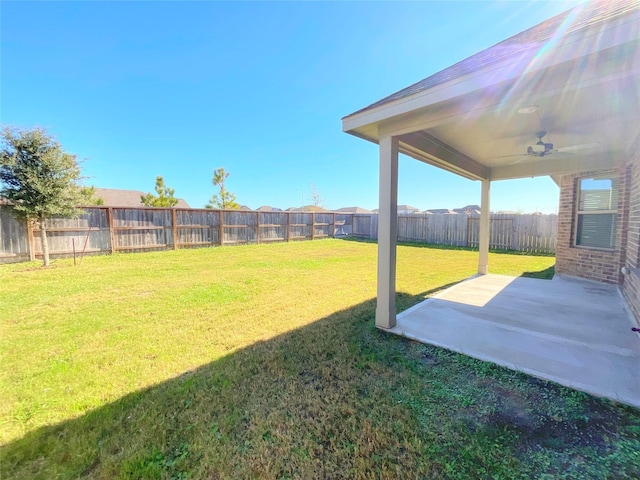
[[262, 362]]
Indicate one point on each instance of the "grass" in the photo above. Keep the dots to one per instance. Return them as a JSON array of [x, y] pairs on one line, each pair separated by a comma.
[[262, 362]]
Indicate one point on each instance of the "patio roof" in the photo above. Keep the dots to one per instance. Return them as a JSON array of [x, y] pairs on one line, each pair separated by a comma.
[[573, 77], [578, 70]]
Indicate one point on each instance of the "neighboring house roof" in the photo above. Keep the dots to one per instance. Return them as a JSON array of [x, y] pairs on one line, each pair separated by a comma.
[[307, 208], [244, 208], [401, 208], [267, 208], [352, 210], [407, 208], [468, 210], [520, 44], [114, 197], [441, 211]]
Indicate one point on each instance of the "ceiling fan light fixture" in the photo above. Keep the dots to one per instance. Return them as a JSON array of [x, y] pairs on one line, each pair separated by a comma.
[[528, 110], [537, 149]]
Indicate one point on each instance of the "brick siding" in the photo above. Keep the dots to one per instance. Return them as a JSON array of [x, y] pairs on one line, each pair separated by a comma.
[[631, 282], [585, 262]]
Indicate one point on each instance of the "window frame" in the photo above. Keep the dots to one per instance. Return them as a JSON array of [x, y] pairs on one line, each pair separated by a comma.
[[578, 190]]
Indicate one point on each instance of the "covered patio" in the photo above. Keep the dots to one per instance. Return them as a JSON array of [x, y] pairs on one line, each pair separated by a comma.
[[571, 331], [558, 99]]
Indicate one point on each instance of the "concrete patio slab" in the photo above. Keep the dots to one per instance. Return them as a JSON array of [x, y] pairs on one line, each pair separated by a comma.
[[570, 331]]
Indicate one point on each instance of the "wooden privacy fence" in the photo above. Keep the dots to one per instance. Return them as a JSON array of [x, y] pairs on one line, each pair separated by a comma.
[[119, 229], [112, 229], [525, 233]]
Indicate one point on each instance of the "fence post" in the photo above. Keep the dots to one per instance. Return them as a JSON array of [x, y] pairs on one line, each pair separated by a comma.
[[112, 237], [221, 221], [32, 252], [333, 225], [212, 213], [174, 227], [515, 228], [313, 225], [257, 227], [288, 226]]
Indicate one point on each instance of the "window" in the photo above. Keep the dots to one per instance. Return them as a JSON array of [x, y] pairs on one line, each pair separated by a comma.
[[597, 210]]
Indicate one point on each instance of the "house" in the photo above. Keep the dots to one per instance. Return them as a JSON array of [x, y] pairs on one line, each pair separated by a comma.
[[352, 210], [441, 211], [563, 99], [407, 210], [114, 197], [507, 212], [468, 210], [306, 209], [401, 210], [267, 208]]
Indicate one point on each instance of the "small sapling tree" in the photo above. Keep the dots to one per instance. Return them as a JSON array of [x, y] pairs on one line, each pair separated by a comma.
[[225, 199], [317, 202], [164, 198], [89, 197]]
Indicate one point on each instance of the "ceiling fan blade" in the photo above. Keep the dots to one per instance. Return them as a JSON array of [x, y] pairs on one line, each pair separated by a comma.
[[556, 151], [511, 156], [580, 146], [524, 158]]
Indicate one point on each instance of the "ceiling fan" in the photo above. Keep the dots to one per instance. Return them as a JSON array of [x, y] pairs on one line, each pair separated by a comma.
[[542, 148]]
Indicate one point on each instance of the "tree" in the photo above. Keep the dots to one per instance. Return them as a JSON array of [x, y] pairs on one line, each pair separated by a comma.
[[164, 198], [316, 201], [39, 178], [88, 196], [225, 199]]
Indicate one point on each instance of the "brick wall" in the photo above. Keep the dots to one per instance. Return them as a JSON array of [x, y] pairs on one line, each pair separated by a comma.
[[585, 262], [631, 282]]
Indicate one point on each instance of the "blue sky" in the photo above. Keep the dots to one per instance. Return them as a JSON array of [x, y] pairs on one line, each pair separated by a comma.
[[141, 89]]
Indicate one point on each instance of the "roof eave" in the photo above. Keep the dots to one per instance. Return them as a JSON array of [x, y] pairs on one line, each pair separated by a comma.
[[574, 46]]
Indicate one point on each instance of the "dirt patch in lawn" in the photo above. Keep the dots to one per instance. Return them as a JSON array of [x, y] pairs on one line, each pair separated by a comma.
[[539, 416]]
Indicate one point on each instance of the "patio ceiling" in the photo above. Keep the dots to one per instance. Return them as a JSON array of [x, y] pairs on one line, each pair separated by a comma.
[[580, 70]]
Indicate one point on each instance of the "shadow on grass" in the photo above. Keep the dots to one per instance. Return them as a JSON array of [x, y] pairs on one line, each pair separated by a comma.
[[339, 399], [406, 300], [546, 274]]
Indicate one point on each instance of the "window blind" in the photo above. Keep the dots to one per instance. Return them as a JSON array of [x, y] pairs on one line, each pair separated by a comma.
[[596, 230], [596, 215]]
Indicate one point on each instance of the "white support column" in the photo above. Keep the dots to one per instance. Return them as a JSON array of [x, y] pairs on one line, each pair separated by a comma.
[[485, 216], [387, 233]]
